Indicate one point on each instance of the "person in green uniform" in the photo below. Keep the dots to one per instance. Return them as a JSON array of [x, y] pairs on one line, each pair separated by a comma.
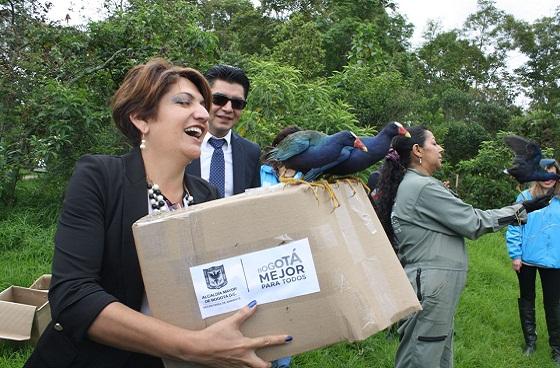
[[427, 224]]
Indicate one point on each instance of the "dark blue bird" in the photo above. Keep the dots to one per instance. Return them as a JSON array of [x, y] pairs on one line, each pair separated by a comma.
[[526, 163], [377, 147], [308, 149]]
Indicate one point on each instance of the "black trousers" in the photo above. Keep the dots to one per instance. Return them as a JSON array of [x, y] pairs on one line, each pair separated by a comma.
[[550, 280]]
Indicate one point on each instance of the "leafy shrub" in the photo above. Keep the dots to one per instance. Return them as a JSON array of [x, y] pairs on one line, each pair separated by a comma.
[[280, 96], [376, 98], [482, 181], [463, 140]]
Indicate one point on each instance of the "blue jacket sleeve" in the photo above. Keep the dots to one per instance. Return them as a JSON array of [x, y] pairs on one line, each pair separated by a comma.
[[268, 176], [514, 234]]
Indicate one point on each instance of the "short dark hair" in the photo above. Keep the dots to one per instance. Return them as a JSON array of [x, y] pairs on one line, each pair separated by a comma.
[[284, 133], [230, 74], [143, 88]]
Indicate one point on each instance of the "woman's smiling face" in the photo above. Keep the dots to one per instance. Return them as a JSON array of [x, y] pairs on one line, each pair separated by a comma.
[[180, 123], [549, 183]]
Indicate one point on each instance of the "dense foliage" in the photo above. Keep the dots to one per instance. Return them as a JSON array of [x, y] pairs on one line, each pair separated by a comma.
[[320, 64]]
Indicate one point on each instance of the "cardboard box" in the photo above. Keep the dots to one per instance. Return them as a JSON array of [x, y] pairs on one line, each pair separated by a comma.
[[42, 283], [363, 288], [24, 313]]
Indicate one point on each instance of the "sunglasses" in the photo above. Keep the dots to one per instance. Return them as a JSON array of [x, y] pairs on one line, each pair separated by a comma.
[[220, 100]]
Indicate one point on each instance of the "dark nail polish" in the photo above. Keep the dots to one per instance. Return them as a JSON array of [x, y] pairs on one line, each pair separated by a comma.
[[252, 304], [289, 338]]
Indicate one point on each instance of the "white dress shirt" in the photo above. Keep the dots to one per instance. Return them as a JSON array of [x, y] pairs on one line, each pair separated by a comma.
[[206, 157]]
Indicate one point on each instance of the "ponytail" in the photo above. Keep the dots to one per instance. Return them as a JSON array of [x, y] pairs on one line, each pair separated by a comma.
[[396, 163]]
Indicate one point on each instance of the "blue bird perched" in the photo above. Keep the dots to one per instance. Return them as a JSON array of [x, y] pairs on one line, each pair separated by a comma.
[[308, 149], [377, 147], [526, 163]]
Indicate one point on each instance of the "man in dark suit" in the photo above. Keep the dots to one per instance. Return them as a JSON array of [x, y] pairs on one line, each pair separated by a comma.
[[228, 161]]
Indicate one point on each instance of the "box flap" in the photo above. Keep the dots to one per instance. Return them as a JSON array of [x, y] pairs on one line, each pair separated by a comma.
[[43, 282], [16, 319]]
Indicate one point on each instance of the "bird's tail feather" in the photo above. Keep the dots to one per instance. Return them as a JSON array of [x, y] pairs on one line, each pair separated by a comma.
[[271, 155]]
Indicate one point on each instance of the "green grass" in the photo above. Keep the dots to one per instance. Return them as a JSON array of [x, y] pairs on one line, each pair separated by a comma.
[[488, 332], [26, 246]]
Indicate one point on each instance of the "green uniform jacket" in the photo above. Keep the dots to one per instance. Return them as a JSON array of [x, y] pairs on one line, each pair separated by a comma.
[[430, 223]]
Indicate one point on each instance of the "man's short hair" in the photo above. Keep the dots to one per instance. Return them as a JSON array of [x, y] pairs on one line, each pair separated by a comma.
[[230, 74]]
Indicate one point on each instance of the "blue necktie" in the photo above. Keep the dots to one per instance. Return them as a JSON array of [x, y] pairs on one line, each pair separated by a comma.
[[217, 165]]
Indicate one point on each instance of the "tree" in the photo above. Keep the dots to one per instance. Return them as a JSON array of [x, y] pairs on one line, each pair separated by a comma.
[[462, 141], [449, 61], [281, 96], [28, 57], [482, 181], [56, 80], [377, 98], [542, 126], [241, 28], [541, 74], [299, 44]]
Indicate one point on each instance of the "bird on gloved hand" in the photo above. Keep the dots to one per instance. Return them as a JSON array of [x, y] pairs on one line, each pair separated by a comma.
[[526, 163]]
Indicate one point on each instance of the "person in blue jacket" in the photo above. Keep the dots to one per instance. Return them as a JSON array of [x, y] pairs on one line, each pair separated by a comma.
[[534, 247]]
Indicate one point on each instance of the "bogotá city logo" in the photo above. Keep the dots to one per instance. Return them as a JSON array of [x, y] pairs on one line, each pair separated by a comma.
[[215, 277]]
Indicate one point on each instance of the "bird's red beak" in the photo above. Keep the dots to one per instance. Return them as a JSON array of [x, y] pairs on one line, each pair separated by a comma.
[[403, 131], [360, 145]]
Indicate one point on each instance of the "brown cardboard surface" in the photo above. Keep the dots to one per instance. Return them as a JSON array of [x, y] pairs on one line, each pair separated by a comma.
[[24, 313], [363, 286], [42, 283]]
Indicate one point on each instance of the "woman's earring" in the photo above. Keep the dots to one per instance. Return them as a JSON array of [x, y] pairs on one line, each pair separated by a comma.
[[420, 160], [143, 142]]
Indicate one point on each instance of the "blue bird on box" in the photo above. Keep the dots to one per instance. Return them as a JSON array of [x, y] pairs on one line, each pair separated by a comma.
[[526, 163], [358, 160], [308, 149]]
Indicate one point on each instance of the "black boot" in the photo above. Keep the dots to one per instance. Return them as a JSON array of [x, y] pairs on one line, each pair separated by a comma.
[[552, 313], [528, 325]]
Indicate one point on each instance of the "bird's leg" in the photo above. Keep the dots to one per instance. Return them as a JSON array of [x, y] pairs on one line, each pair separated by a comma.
[[283, 171], [292, 181], [330, 191], [350, 180], [314, 186]]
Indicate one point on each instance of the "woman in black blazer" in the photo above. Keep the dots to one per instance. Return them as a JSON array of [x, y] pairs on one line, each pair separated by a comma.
[[100, 317]]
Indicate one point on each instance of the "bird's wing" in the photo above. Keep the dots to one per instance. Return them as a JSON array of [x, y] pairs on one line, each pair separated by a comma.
[[526, 166], [296, 143], [524, 149], [318, 171]]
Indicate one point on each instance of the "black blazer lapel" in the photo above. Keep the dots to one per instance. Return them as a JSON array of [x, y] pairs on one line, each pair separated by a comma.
[[238, 158], [194, 167], [135, 206]]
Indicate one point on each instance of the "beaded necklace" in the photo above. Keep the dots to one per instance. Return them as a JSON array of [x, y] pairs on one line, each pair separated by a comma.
[[158, 200]]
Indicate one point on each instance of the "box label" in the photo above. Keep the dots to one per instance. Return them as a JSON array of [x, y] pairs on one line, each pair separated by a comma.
[[266, 276]]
